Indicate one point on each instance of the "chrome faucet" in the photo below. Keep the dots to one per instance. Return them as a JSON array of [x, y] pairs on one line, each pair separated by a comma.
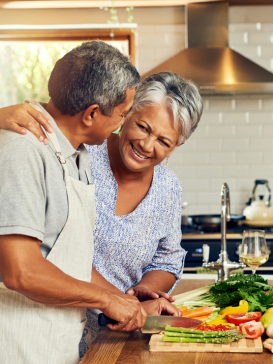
[[223, 265]]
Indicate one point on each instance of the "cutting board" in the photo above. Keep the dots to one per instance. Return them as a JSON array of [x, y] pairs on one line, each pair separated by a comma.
[[240, 346]]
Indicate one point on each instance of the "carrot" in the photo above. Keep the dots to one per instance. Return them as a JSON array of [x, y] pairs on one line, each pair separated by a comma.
[[200, 311], [183, 309], [201, 318]]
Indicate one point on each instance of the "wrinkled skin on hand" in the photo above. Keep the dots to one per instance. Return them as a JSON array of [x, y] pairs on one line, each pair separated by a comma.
[[160, 306], [143, 294], [127, 310], [23, 117]]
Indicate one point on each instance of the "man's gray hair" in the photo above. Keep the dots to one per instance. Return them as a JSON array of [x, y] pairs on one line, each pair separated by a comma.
[[93, 73], [181, 97]]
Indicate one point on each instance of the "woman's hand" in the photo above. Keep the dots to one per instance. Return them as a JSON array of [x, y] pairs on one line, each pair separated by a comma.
[[160, 307], [21, 117], [128, 311], [143, 294]]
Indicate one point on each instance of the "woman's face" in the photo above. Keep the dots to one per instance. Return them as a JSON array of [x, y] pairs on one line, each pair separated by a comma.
[[148, 137]]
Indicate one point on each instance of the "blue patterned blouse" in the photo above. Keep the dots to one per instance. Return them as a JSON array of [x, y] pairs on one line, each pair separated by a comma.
[[128, 246]]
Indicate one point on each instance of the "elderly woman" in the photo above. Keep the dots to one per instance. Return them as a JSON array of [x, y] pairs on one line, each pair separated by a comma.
[[138, 199]]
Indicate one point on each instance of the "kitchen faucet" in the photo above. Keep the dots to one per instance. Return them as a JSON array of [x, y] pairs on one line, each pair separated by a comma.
[[223, 265]]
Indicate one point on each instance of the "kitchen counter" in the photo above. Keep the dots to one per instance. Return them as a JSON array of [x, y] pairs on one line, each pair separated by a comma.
[[133, 348]]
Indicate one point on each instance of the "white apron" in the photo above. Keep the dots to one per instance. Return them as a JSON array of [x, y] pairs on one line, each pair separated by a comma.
[[33, 333]]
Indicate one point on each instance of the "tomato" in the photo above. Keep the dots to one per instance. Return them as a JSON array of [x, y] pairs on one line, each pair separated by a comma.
[[240, 318], [252, 329]]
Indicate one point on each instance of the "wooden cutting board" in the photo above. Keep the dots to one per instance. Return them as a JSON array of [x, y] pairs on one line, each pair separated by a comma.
[[240, 346]]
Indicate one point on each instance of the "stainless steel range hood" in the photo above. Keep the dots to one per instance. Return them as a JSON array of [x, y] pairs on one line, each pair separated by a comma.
[[207, 59]]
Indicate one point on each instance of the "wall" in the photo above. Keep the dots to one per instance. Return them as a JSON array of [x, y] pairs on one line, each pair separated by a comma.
[[234, 141]]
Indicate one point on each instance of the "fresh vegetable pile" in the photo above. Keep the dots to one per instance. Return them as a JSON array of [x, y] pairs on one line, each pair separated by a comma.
[[183, 335], [251, 288]]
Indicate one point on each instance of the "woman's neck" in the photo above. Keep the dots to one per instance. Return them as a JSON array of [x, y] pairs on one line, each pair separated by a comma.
[[120, 171]]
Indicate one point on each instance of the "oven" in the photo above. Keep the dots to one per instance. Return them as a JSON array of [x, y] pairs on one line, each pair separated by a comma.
[[193, 239]]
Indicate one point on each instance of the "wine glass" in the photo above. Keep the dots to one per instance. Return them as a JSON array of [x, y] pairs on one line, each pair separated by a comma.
[[253, 250]]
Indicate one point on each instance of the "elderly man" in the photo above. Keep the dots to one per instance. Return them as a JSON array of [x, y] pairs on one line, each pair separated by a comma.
[[47, 212]]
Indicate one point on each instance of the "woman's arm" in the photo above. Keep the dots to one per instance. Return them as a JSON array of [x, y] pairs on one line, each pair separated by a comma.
[[153, 285], [23, 117]]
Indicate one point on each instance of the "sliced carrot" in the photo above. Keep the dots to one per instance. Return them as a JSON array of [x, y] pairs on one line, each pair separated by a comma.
[[183, 309], [201, 318], [200, 311]]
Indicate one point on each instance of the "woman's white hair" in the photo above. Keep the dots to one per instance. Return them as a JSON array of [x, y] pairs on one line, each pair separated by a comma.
[[181, 97]]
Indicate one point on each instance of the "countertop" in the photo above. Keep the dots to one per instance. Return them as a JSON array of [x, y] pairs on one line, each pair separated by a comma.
[[133, 348]]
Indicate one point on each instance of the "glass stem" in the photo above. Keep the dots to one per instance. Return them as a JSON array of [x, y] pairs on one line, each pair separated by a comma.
[[254, 270]]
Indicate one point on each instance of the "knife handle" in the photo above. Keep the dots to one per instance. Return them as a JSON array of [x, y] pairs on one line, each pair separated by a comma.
[[103, 320]]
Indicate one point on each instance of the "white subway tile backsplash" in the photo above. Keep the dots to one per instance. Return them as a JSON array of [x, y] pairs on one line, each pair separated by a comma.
[[245, 185], [267, 27], [195, 158], [235, 144], [196, 184], [221, 104], [268, 104], [208, 144], [237, 37], [261, 171], [263, 144], [267, 50], [257, 37], [243, 27], [207, 198], [222, 158], [268, 159], [249, 157], [215, 131], [210, 118], [234, 117], [247, 104], [261, 118], [235, 171], [268, 131], [249, 130], [209, 171]]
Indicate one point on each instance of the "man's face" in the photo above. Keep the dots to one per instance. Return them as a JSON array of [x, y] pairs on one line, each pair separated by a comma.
[[103, 126]]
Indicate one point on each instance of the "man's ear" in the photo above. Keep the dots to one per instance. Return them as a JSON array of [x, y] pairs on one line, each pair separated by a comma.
[[90, 114]]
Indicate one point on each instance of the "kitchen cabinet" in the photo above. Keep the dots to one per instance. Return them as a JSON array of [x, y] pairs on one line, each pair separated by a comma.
[[124, 348]]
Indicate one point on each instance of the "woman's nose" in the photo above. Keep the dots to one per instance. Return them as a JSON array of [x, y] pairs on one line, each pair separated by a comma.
[[147, 144]]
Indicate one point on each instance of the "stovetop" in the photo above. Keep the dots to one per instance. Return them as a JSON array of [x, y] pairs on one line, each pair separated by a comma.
[[235, 232]]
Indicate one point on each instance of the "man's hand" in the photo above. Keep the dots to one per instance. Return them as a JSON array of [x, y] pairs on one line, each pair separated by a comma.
[[127, 310], [143, 294], [21, 117], [160, 307]]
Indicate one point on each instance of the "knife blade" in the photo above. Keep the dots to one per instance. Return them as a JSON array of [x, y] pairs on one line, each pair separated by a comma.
[[156, 324]]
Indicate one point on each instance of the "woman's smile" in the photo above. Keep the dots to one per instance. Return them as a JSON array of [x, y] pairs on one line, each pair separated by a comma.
[[138, 155]]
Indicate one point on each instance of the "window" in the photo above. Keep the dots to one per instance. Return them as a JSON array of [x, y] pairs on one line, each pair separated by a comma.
[[28, 56]]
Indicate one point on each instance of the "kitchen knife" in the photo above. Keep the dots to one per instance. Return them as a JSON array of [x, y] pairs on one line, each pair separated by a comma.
[[156, 324]]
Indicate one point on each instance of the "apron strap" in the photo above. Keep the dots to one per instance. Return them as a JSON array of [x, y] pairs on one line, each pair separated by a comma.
[[52, 137], [88, 176]]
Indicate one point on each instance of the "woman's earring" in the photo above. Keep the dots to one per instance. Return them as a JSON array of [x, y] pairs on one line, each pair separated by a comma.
[[167, 162]]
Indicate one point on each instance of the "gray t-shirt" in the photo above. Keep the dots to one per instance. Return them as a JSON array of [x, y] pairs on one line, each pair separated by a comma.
[[33, 199]]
